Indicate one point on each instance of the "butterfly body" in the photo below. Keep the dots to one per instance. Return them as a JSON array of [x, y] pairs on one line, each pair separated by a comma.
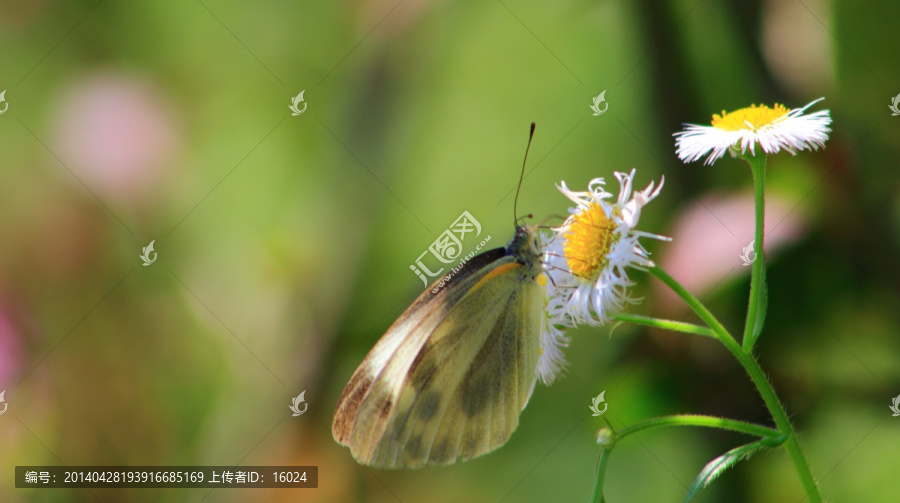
[[449, 378]]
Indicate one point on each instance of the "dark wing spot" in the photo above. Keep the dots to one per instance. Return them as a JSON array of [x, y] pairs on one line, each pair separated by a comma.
[[442, 454], [412, 447], [475, 395], [385, 409], [428, 404]]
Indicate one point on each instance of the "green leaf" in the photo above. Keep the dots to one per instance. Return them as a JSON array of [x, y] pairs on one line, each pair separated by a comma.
[[715, 467], [755, 326]]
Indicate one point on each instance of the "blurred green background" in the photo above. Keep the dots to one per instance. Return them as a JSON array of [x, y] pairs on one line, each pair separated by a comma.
[[284, 243]]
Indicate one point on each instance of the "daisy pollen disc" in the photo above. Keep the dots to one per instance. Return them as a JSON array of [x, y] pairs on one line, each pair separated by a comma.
[[753, 117], [588, 239]]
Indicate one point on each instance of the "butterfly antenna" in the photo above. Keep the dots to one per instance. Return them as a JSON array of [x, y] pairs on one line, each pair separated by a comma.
[[522, 175]]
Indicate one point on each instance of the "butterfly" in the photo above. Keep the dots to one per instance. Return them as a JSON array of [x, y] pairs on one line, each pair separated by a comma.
[[451, 375]]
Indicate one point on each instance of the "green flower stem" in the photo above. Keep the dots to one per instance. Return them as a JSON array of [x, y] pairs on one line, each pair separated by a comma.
[[758, 167], [719, 331], [597, 497], [759, 379], [701, 421], [675, 326]]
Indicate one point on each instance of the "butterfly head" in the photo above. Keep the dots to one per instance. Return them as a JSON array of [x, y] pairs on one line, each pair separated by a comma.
[[525, 248]]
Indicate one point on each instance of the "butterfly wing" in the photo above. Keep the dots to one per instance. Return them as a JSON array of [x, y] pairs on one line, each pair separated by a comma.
[[471, 379], [410, 331], [448, 383]]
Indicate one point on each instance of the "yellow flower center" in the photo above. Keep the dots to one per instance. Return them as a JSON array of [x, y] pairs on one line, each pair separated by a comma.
[[588, 241], [753, 117]]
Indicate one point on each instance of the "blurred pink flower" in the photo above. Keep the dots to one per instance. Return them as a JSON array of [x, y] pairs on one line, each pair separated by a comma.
[[115, 135], [10, 351], [709, 237]]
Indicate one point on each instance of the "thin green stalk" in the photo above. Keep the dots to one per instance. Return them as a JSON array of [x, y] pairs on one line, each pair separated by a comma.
[[756, 307], [597, 497], [675, 326], [721, 333], [701, 421], [759, 379]]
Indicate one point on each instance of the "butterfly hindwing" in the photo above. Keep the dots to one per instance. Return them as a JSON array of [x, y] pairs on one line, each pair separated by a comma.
[[410, 331], [450, 377]]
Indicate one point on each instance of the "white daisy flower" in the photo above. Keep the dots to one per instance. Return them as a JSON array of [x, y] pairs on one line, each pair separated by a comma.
[[774, 129], [588, 257]]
